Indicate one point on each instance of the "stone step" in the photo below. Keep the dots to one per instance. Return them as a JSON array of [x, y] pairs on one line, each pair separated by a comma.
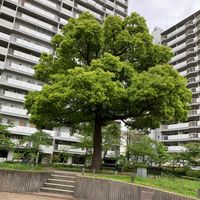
[[63, 173], [61, 177], [63, 182], [58, 191], [59, 186]]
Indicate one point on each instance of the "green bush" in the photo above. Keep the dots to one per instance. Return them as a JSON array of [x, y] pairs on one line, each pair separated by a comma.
[[176, 171], [193, 173]]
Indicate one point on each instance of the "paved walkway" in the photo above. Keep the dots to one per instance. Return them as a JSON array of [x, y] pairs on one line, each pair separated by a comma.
[[34, 196]]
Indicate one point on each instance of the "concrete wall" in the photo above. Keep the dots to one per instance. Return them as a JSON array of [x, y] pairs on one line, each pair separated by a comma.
[[101, 189], [22, 181]]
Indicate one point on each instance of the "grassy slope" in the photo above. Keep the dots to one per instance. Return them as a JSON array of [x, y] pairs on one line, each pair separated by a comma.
[[176, 185], [19, 166]]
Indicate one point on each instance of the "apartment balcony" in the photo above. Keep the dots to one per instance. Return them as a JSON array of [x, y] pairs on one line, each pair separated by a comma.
[[12, 95], [111, 154], [69, 3], [43, 12], [21, 68], [24, 56], [194, 113], [178, 30], [180, 126], [195, 101], [180, 65], [191, 50], [3, 50], [20, 84], [4, 36], [37, 22], [179, 47], [183, 73], [176, 149], [181, 137], [193, 80], [2, 64], [8, 11], [123, 2], [178, 57], [49, 4], [6, 24], [66, 12], [13, 1], [195, 89], [46, 149], [191, 60], [189, 23], [176, 40], [65, 136], [13, 111], [63, 21], [69, 149], [24, 130]]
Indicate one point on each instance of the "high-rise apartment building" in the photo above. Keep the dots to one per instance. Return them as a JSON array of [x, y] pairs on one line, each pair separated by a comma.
[[184, 39], [26, 29]]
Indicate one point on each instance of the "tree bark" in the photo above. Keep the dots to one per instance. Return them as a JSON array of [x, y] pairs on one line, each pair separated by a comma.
[[97, 144]]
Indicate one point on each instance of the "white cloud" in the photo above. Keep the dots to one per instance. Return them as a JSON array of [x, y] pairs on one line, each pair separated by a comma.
[[164, 13]]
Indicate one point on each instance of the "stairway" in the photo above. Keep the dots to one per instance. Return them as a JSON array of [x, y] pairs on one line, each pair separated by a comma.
[[60, 183]]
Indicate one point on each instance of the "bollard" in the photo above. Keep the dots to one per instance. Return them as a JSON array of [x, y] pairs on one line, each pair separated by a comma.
[[146, 195], [83, 171], [93, 171], [132, 178], [198, 194], [116, 172]]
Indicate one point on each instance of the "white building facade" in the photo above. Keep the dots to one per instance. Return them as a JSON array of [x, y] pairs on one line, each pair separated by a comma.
[[184, 39]]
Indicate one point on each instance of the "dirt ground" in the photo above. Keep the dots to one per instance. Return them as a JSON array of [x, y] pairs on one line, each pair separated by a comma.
[[36, 196]]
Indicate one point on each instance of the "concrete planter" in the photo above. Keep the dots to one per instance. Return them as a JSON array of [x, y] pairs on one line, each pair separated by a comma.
[[142, 172]]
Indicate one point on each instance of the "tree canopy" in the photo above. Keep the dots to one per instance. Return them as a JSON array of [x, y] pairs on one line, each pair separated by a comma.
[[107, 71]]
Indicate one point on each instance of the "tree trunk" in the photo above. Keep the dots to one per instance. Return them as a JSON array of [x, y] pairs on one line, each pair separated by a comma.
[[97, 144]]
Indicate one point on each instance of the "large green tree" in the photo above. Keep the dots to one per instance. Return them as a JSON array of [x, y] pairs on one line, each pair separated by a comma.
[[107, 71]]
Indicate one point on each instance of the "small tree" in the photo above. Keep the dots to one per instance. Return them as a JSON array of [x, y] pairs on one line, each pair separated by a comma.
[[192, 153], [37, 139], [141, 150], [5, 142], [161, 154]]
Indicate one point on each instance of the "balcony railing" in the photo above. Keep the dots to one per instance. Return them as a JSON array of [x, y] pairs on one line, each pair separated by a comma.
[[22, 68], [14, 111], [22, 84], [181, 137], [176, 149]]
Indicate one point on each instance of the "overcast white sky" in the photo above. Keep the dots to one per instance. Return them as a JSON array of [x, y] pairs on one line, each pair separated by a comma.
[[164, 13]]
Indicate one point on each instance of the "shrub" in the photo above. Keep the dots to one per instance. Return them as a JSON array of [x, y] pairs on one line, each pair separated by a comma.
[[193, 173], [176, 171]]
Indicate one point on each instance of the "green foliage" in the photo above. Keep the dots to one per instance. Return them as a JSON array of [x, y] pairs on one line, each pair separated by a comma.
[[20, 166], [193, 173], [106, 72], [179, 172], [161, 154], [111, 137], [36, 139], [192, 154], [5, 141]]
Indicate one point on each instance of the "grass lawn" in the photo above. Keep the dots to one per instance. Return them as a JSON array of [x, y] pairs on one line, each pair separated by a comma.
[[176, 185], [20, 166]]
